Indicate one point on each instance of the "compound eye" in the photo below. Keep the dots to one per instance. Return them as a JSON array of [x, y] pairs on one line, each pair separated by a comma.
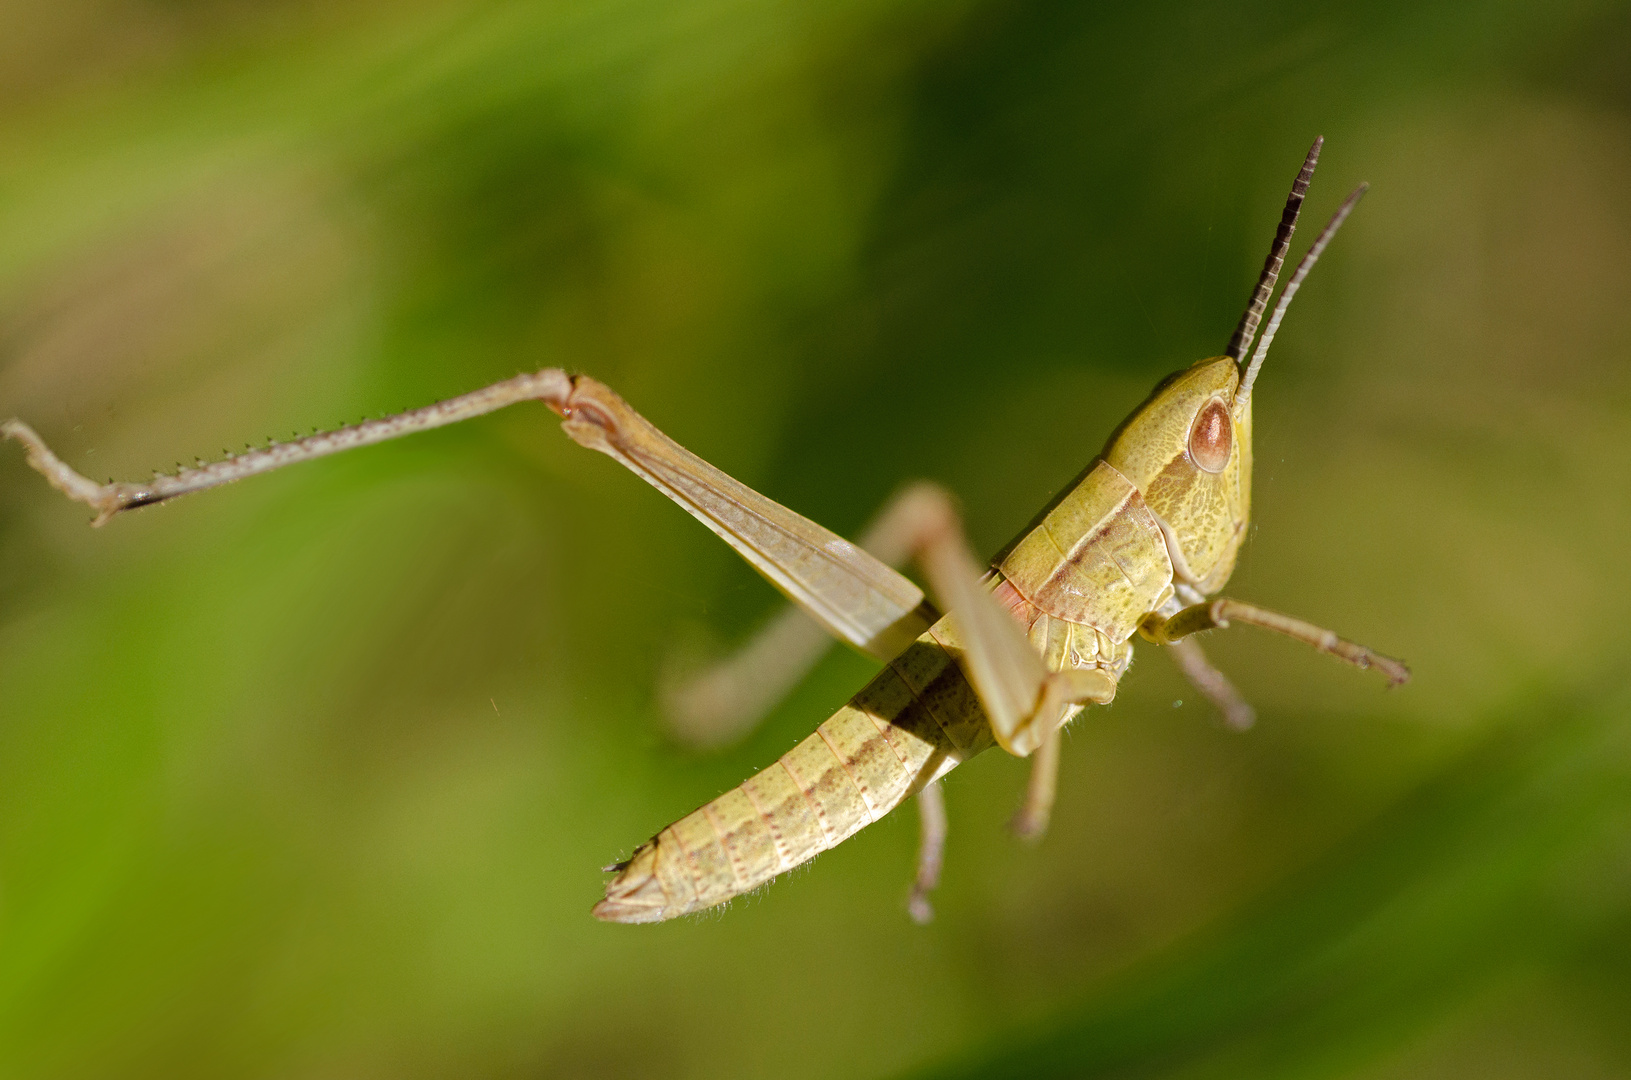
[[1211, 437]]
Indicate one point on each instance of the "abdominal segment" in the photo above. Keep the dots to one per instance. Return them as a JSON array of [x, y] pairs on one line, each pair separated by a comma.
[[914, 722]]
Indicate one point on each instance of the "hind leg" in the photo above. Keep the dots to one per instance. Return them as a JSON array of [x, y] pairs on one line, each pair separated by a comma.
[[726, 699]]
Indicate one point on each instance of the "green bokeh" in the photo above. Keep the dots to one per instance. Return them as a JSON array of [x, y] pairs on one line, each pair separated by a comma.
[[312, 777]]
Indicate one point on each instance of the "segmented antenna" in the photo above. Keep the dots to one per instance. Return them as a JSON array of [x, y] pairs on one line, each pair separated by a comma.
[[1242, 341], [1330, 230]]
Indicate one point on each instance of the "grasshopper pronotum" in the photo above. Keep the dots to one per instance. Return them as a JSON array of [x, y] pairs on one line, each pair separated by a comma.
[[1138, 544]]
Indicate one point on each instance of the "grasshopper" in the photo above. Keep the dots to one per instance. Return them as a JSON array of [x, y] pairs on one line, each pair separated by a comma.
[[1139, 544]]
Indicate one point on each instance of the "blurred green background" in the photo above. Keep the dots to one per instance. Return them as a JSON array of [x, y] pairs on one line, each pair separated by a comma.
[[311, 777]]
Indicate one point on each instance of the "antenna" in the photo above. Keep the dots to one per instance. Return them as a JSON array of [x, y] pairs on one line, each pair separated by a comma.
[[1242, 341], [1330, 230]]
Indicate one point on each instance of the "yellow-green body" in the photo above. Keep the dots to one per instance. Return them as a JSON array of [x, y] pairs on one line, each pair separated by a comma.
[[1144, 523]]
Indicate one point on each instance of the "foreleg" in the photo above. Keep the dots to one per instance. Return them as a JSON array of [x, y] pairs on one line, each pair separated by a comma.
[[1218, 614], [1214, 684]]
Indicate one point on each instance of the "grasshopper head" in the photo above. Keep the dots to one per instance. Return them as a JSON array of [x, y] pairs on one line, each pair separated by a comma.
[[1189, 447], [1189, 451]]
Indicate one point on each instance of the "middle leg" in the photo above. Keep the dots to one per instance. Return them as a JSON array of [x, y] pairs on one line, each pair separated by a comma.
[[1033, 817], [931, 807], [1025, 703]]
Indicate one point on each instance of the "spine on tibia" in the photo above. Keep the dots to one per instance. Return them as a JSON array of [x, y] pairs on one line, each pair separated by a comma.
[[913, 723]]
